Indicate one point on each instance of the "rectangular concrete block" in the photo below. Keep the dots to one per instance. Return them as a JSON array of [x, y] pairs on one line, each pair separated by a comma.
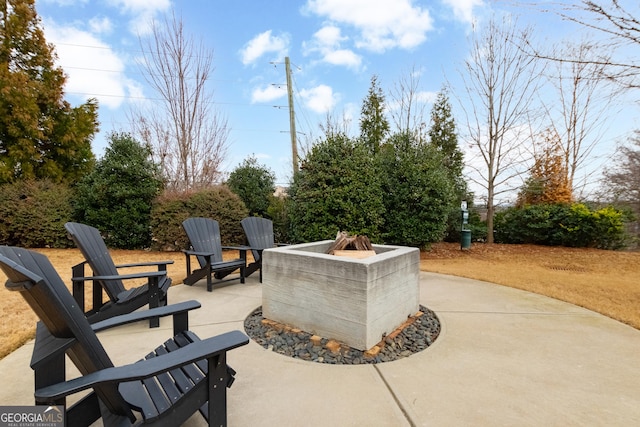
[[355, 301]]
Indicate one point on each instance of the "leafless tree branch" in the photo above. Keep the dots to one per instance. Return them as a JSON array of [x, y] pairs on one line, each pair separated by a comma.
[[189, 137]]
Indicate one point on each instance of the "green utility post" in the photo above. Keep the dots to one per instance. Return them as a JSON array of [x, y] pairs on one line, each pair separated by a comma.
[[465, 233]]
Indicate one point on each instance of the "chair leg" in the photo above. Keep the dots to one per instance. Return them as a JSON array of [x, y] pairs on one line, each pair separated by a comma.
[[218, 390], [209, 280], [209, 272]]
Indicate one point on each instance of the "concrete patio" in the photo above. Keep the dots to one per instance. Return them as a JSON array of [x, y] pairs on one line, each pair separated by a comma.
[[504, 357]]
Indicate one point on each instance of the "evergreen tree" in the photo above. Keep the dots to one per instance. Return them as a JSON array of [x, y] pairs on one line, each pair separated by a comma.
[[254, 184], [443, 136], [116, 197], [418, 192], [336, 189], [374, 126], [41, 135]]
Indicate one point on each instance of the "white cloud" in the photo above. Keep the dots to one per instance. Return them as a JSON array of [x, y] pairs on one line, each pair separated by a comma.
[[382, 24], [92, 67], [143, 13], [319, 99], [268, 93], [265, 43], [327, 41], [329, 36], [100, 25], [463, 9], [343, 57]]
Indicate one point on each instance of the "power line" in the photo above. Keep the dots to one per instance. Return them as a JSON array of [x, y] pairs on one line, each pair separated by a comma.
[[304, 111], [144, 98], [143, 51], [142, 73]]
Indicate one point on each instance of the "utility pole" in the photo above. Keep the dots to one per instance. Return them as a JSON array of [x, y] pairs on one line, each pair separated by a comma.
[[292, 117]]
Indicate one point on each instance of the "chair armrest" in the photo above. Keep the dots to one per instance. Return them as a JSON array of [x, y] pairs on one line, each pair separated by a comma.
[[47, 347], [139, 275], [160, 264], [136, 316], [80, 264], [238, 248], [147, 368], [197, 253]]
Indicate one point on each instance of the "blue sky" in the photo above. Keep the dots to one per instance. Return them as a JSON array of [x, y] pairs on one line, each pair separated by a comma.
[[335, 47]]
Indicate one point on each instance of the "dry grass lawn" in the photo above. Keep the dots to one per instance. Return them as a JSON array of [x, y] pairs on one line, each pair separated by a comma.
[[603, 281], [607, 282]]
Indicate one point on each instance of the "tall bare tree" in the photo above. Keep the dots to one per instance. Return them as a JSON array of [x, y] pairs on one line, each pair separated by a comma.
[[189, 137], [500, 80], [622, 178], [408, 105], [582, 108]]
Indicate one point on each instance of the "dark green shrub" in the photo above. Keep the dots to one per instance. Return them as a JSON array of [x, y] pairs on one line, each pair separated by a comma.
[[219, 203], [531, 224], [254, 183], [116, 197], [33, 214], [278, 213], [573, 225], [418, 192], [336, 189], [600, 228]]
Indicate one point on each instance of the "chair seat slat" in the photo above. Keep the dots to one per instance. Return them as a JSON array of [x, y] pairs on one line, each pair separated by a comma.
[[178, 380], [192, 371]]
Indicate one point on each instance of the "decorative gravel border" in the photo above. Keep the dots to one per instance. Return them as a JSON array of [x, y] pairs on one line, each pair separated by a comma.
[[416, 334]]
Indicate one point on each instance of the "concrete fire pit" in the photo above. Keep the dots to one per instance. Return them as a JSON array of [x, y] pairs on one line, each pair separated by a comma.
[[355, 301]]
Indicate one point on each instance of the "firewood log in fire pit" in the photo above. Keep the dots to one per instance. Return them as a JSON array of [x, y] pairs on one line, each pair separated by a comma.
[[344, 242]]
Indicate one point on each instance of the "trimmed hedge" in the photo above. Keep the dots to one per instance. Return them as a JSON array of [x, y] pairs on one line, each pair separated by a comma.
[[33, 214], [219, 203], [573, 225]]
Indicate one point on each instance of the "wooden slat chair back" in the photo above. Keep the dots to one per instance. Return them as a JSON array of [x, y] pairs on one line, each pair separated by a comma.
[[259, 232], [107, 276], [204, 236], [206, 246], [95, 251], [177, 379]]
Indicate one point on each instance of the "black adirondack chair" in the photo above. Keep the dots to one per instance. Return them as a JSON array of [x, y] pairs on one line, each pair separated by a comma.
[[206, 246], [168, 386], [106, 276], [259, 232]]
